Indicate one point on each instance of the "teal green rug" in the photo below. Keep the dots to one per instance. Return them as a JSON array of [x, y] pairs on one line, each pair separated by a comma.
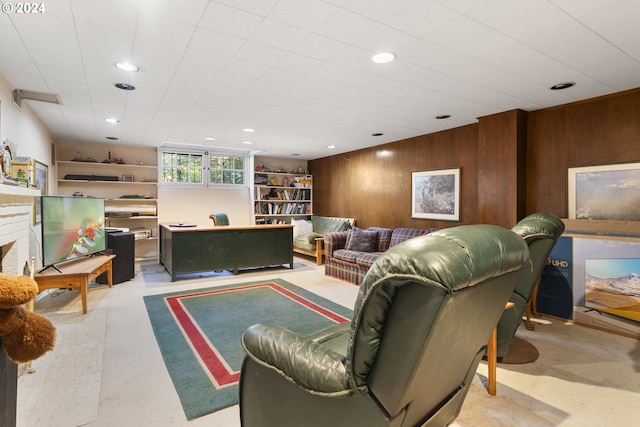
[[198, 332]]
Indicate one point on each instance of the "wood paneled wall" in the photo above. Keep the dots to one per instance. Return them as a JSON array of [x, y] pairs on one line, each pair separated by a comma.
[[374, 185], [604, 130]]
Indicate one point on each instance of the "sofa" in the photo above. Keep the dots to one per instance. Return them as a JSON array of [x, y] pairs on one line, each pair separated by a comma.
[[308, 235], [350, 253]]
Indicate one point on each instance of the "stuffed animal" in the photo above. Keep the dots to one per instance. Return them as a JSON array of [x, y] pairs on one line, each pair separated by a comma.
[[26, 335]]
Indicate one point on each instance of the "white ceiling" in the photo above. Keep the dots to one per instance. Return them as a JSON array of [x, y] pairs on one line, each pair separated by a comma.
[[299, 71]]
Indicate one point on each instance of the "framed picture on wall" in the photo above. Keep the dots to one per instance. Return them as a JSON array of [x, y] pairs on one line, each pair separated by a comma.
[[607, 192], [40, 180], [436, 194]]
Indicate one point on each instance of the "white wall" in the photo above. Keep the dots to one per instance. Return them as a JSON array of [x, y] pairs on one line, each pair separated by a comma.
[[194, 205], [31, 139]]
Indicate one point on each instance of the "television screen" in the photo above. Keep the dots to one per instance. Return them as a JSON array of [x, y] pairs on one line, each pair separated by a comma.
[[612, 285], [72, 227]]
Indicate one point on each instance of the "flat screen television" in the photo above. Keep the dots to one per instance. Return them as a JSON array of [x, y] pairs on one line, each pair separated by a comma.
[[72, 227]]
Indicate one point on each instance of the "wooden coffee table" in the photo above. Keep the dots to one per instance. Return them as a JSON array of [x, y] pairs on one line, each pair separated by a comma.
[[77, 275]]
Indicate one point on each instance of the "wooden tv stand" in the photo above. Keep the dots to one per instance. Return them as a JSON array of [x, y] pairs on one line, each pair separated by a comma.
[[77, 275]]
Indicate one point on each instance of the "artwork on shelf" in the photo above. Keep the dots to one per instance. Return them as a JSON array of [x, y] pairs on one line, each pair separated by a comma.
[[20, 170], [608, 192], [127, 178], [39, 179], [436, 194]]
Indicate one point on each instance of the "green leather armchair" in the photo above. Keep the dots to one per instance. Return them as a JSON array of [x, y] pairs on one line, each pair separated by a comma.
[[540, 231], [422, 319]]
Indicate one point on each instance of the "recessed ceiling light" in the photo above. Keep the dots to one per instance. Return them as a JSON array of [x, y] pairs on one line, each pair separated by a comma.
[[561, 86], [247, 142], [112, 138], [296, 154], [331, 146], [249, 130], [383, 57], [125, 86], [210, 138], [127, 66], [112, 120], [377, 134], [443, 116]]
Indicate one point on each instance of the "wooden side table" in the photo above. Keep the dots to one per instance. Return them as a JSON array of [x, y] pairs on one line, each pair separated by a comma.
[[76, 275]]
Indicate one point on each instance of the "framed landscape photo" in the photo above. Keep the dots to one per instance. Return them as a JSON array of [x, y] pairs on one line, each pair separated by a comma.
[[436, 194], [607, 192]]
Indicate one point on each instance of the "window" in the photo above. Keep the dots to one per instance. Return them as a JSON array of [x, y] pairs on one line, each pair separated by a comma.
[[201, 168], [226, 169], [184, 168]]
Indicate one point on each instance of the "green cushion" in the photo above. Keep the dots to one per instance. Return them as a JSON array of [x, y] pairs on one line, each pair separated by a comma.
[[322, 224]]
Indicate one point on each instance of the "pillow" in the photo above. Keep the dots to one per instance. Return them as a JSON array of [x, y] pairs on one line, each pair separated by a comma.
[[296, 229], [361, 240], [301, 229]]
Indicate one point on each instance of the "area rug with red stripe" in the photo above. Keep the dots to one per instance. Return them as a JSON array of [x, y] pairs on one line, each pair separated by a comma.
[[198, 332]]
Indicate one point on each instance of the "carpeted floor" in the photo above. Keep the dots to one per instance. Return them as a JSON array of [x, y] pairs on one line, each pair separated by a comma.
[[107, 369]]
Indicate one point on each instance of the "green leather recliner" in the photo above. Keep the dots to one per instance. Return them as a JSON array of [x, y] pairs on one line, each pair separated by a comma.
[[421, 322], [540, 231]]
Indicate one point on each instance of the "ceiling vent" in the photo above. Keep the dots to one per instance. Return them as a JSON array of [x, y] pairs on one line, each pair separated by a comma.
[[19, 95]]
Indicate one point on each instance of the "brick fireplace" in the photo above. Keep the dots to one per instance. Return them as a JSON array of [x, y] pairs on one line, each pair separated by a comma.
[[16, 217]]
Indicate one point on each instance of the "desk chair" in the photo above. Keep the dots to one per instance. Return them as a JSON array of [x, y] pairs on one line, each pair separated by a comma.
[[219, 218]]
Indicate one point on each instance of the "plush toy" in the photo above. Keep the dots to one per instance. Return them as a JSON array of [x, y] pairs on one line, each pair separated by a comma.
[[25, 334]]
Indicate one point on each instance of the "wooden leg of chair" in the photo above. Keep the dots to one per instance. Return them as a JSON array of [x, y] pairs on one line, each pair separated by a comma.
[[534, 299], [492, 350], [527, 321]]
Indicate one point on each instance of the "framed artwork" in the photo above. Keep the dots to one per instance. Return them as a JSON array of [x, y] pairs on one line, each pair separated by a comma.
[[436, 194], [40, 180], [608, 192], [127, 178]]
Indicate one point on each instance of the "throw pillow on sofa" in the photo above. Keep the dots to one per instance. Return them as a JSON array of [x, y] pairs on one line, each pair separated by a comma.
[[361, 240], [301, 229]]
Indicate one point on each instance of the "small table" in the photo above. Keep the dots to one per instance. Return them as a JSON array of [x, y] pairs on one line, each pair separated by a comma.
[[492, 356], [76, 275]]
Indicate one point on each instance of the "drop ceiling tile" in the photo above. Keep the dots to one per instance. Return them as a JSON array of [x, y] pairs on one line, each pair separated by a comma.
[[385, 39], [261, 8], [319, 47], [121, 16], [259, 53], [423, 17], [346, 27], [230, 21], [380, 11], [215, 42], [307, 15], [278, 35]]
